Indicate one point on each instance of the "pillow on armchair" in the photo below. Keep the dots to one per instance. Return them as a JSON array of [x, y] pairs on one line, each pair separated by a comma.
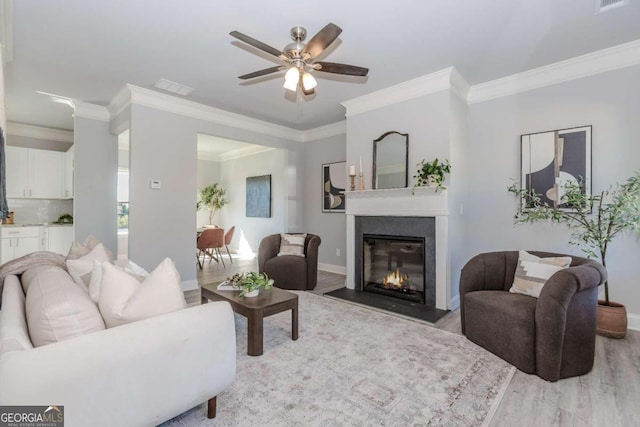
[[292, 244]]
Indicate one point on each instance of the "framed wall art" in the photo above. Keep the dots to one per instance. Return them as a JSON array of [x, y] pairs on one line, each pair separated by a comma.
[[334, 182], [259, 196], [552, 159]]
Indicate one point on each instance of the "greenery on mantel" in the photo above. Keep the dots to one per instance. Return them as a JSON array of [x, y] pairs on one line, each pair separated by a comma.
[[431, 174], [594, 220], [212, 198]]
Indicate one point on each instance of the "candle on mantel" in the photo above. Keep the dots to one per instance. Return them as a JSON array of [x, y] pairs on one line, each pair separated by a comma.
[[360, 164], [352, 170]]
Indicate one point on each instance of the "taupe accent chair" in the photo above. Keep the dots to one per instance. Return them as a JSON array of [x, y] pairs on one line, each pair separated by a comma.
[[290, 271], [552, 336]]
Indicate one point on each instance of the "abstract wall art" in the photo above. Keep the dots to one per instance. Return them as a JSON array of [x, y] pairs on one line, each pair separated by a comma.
[[334, 182], [552, 159], [259, 196]]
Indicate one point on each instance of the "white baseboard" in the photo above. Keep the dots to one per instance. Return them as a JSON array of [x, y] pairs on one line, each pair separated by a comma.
[[189, 285], [338, 269], [454, 302], [633, 321]]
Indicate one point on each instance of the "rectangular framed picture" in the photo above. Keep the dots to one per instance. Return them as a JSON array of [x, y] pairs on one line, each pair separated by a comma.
[[334, 182], [259, 196], [552, 159]]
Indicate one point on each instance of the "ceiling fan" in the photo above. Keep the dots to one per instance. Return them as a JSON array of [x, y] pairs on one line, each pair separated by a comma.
[[299, 58]]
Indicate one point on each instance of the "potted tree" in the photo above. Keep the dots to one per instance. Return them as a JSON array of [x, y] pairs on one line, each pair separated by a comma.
[[212, 198], [615, 211], [431, 174], [250, 283]]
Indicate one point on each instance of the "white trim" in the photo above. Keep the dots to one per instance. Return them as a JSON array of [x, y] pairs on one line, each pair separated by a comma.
[[333, 129], [633, 321], [172, 104], [39, 132], [425, 85], [233, 154], [338, 269], [120, 101], [6, 36], [189, 285], [90, 111], [613, 58]]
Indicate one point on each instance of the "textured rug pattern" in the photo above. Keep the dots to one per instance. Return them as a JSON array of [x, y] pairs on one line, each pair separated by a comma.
[[358, 367]]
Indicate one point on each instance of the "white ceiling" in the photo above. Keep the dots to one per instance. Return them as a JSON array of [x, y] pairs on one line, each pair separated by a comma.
[[89, 49]]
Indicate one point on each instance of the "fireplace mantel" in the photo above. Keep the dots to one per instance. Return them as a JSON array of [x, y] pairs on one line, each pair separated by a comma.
[[420, 202]]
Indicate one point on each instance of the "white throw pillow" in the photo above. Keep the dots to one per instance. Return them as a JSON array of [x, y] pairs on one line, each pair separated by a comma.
[[80, 269], [292, 244], [123, 299], [533, 272], [57, 309], [127, 266]]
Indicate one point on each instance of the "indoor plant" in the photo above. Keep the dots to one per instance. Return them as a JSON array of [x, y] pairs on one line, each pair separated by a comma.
[[615, 211], [212, 198], [431, 174], [250, 283]]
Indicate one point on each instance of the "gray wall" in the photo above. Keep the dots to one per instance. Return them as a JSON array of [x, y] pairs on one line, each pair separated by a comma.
[[610, 103], [233, 177], [329, 226], [95, 177]]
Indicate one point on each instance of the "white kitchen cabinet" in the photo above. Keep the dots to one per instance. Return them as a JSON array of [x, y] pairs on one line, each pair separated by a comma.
[[34, 174], [17, 169], [18, 241], [59, 239], [69, 158]]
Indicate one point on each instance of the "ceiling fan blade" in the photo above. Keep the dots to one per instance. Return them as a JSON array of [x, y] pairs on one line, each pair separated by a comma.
[[320, 41], [262, 72], [350, 70], [257, 44]]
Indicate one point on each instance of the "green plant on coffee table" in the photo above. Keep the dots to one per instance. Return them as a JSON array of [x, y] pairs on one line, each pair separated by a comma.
[[615, 211], [251, 281], [431, 172]]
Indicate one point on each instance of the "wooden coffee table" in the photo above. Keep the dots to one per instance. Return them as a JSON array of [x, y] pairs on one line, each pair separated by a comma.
[[255, 309]]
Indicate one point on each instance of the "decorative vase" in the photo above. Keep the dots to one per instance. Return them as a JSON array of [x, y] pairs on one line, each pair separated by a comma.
[[611, 320], [252, 293]]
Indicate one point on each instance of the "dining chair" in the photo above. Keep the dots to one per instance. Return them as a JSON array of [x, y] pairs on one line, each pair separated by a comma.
[[228, 236], [209, 243]]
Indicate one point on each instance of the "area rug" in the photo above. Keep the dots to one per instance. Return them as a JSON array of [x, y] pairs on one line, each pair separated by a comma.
[[353, 366]]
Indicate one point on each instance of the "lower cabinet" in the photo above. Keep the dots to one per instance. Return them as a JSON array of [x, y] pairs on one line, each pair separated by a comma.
[[59, 239], [18, 241]]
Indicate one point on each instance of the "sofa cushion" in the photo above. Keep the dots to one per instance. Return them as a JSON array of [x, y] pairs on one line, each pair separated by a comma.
[[292, 244], [79, 250], [125, 265], [14, 334], [81, 268], [58, 309], [123, 299], [503, 323], [532, 272]]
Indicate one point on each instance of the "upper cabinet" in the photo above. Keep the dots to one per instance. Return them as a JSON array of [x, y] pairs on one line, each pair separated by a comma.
[[68, 172], [35, 174]]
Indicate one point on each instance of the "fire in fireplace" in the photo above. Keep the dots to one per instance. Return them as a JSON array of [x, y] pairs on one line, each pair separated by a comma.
[[394, 266]]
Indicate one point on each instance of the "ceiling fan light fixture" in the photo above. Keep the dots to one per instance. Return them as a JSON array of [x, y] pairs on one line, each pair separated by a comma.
[[291, 79], [308, 81]]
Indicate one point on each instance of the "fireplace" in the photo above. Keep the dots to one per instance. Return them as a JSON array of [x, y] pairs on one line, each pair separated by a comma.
[[394, 266]]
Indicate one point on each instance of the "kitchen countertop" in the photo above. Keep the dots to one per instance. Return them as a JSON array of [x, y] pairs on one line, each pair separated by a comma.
[[50, 224]]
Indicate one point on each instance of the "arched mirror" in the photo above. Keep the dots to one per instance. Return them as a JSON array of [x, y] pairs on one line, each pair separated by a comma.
[[390, 160]]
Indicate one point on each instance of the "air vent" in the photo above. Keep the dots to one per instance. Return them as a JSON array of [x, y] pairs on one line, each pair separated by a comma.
[[173, 87], [607, 5]]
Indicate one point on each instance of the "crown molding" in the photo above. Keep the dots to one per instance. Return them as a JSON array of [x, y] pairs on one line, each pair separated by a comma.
[[327, 131], [39, 132], [120, 101], [172, 104], [6, 30], [613, 58], [90, 111], [243, 152], [425, 85]]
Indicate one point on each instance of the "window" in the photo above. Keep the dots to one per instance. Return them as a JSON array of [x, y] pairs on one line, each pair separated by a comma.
[[123, 199]]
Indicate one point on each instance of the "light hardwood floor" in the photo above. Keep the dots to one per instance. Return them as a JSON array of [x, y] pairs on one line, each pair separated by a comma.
[[608, 396]]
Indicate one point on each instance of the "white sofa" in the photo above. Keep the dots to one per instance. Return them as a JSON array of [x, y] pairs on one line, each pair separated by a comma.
[[139, 374]]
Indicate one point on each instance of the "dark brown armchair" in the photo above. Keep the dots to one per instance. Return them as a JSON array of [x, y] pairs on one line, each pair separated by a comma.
[[290, 271], [552, 336]]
